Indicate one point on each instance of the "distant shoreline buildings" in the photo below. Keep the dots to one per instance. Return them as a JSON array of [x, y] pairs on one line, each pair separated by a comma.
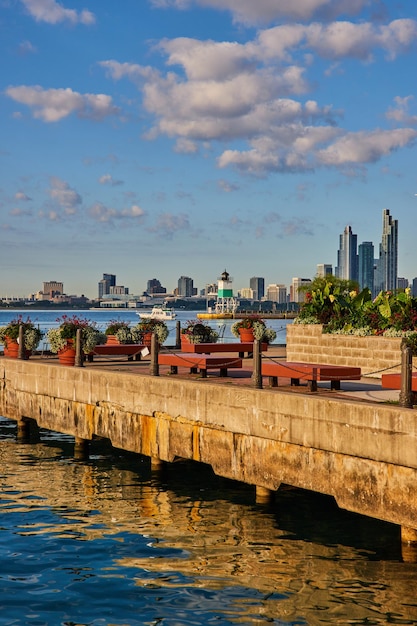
[[357, 263]]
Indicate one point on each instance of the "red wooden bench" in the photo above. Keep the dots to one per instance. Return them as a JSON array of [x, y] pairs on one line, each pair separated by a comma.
[[209, 348], [198, 362], [393, 381], [131, 350], [311, 372]]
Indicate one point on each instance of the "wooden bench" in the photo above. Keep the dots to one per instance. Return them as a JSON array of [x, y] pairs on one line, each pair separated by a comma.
[[198, 362], [131, 350], [311, 372], [393, 381], [209, 348]]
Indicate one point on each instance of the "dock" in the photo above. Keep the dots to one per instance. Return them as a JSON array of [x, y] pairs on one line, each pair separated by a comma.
[[355, 444]]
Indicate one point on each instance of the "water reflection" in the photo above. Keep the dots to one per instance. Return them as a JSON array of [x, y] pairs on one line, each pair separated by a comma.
[[107, 541]]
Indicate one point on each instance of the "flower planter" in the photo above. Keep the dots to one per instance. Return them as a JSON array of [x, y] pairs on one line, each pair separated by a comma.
[[11, 349], [147, 339], [246, 335], [306, 343], [66, 356], [112, 340]]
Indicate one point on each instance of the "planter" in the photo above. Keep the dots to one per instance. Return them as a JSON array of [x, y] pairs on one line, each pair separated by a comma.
[[66, 356], [11, 349], [112, 340], [306, 343], [147, 340], [246, 335]]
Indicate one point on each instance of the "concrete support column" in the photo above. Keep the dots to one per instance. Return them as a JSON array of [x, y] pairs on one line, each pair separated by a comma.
[[154, 369], [79, 356], [257, 364], [156, 464], [21, 353], [23, 429], [81, 448], [406, 394], [178, 335], [263, 495]]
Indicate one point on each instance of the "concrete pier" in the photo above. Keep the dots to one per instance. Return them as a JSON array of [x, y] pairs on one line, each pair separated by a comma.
[[362, 453]]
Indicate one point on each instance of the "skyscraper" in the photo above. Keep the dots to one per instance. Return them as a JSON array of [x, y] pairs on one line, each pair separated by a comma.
[[366, 266], [108, 280], [185, 286], [387, 267], [257, 284], [347, 257]]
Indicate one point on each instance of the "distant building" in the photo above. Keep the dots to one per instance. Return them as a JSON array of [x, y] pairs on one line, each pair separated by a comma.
[[108, 280], [185, 287], [295, 294], [347, 257], [119, 290], [366, 266], [257, 284], [247, 293], [387, 265], [52, 288], [154, 287], [414, 288], [324, 269], [402, 283], [276, 293]]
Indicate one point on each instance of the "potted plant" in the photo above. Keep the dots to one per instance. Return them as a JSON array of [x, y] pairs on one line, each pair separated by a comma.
[[142, 332], [250, 328], [9, 337], [198, 332], [118, 332], [62, 339]]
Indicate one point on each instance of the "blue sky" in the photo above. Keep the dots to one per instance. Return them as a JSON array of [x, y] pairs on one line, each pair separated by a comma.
[[160, 138]]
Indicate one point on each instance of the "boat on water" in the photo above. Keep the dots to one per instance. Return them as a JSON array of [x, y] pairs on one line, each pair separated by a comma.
[[159, 312]]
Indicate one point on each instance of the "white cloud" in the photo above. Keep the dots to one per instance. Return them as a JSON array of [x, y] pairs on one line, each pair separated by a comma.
[[22, 197], [107, 179], [168, 224], [102, 213], [258, 11], [366, 147], [53, 12], [63, 195], [52, 105], [400, 112], [26, 47]]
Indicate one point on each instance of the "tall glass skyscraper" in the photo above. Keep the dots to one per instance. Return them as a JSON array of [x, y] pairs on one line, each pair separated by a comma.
[[366, 266], [347, 256], [257, 284], [388, 254]]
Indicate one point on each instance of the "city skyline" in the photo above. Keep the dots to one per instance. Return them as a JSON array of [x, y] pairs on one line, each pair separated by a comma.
[[178, 138]]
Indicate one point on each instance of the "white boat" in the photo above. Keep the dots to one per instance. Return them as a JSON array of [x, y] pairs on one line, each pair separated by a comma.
[[159, 312]]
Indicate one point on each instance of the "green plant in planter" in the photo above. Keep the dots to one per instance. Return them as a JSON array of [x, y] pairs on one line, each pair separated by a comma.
[[31, 334], [260, 330], [67, 330], [121, 330], [150, 326], [199, 332]]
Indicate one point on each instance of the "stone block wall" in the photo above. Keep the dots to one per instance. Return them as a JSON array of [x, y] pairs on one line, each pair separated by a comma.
[[375, 355]]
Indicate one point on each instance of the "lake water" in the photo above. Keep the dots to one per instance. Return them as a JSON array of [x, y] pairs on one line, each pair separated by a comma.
[[106, 541], [48, 319]]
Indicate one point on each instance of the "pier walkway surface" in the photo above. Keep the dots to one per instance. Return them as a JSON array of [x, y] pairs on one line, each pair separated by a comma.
[[367, 388]]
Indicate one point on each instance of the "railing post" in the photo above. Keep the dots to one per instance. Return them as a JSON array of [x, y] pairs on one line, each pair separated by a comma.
[[154, 369], [79, 356], [406, 394], [21, 353], [257, 364], [178, 335]]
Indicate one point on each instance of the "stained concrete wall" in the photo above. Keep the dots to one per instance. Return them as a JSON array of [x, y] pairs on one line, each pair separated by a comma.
[[363, 454], [375, 355]]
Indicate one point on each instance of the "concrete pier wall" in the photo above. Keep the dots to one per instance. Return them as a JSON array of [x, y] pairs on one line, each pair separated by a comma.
[[364, 454]]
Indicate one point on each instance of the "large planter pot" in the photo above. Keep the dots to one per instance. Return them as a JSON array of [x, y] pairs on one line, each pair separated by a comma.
[[246, 335], [375, 355], [66, 356], [147, 339], [11, 349], [112, 340]]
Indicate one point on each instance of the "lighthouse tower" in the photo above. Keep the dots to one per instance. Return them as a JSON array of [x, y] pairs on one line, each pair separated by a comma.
[[226, 302]]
